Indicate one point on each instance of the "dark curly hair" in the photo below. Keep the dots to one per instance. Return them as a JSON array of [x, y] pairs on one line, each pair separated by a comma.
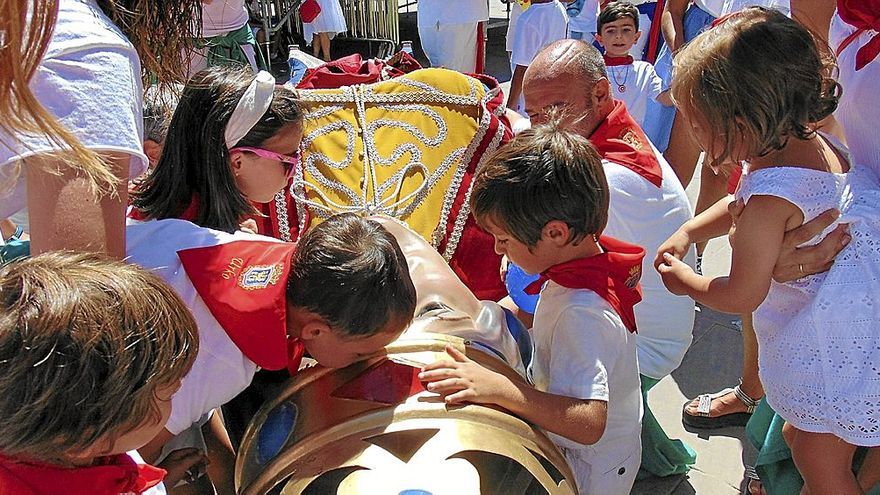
[[758, 75]]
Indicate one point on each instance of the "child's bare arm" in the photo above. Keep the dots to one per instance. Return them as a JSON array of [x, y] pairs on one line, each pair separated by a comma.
[[463, 380], [516, 83], [713, 222], [756, 246]]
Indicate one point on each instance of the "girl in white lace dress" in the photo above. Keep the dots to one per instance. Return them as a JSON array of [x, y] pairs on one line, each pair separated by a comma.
[[751, 89]]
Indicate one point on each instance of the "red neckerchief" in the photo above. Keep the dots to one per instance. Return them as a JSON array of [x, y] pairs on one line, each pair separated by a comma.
[[620, 139], [244, 285], [112, 475], [613, 275], [615, 61], [863, 15]]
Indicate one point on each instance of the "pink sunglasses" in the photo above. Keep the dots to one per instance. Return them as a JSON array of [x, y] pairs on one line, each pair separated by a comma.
[[288, 160]]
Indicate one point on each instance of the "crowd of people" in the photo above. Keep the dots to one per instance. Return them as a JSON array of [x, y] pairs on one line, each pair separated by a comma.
[[139, 296]]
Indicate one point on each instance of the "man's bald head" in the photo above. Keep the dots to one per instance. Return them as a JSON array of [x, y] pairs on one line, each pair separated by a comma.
[[567, 58], [568, 78]]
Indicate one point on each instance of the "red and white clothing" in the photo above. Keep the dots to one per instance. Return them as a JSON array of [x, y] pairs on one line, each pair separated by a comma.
[[633, 82], [449, 33], [859, 73], [120, 474], [584, 348], [647, 205], [234, 285]]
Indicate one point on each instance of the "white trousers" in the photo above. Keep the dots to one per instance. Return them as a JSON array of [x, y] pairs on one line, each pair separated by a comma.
[[453, 46]]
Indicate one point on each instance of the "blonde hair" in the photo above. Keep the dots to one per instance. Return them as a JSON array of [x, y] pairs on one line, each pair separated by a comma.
[[85, 342], [759, 77], [22, 46]]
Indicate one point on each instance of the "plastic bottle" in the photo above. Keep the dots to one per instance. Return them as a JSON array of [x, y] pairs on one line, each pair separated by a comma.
[[297, 66], [406, 46]]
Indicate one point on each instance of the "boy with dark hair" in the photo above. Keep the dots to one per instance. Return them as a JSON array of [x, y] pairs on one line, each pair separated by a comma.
[[341, 294], [633, 81], [91, 350], [545, 200]]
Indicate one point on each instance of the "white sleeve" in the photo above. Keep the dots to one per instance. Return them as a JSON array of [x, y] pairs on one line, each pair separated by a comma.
[[655, 84], [219, 373], [583, 350], [526, 44]]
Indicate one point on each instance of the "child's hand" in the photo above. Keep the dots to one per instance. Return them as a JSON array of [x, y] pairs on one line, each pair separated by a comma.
[[188, 464], [677, 245], [674, 273], [463, 380]]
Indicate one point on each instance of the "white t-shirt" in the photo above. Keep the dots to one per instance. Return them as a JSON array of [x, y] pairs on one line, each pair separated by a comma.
[[736, 5], [641, 83], [713, 7], [537, 27], [643, 214], [223, 16], [516, 10], [583, 350], [860, 101], [221, 371], [585, 22], [439, 12], [90, 79]]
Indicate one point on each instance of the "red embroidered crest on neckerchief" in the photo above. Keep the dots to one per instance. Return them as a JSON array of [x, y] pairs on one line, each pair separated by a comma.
[[864, 15], [613, 275], [113, 475], [620, 139], [244, 285]]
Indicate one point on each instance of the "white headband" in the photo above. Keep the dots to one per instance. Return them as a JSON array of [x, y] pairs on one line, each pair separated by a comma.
[[250, 108]]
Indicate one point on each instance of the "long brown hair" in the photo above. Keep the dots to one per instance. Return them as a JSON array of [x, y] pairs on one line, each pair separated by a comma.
[[758, 75], [85, 343], [22, 46]]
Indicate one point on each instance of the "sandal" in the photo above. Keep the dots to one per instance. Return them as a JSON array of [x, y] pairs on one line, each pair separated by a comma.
[[753, 482], [703, 421]]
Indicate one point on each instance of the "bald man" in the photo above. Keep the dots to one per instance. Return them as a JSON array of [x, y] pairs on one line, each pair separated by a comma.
[[568, 80]]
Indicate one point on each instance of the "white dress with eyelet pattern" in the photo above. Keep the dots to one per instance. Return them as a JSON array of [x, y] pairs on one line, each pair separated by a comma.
[[819, 337]]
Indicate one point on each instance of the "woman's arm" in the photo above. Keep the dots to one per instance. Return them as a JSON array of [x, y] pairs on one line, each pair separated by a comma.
[[672, 23], [66, 213]]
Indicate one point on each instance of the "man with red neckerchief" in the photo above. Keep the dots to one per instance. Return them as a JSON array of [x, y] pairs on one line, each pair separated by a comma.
[[647, 205]]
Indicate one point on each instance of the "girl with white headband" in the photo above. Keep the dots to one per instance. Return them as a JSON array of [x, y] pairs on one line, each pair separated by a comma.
[[234, 139]]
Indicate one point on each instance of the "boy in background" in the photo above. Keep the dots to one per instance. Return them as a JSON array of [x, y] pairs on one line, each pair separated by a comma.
[[544, 22], [544, 199], [633, 82]]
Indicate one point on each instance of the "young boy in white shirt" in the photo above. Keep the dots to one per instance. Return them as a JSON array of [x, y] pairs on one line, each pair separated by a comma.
[[542, 23], [544, 198], [633, 82]]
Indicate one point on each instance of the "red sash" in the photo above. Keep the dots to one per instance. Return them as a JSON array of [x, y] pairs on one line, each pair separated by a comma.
[[863, 15], [613, 275], [620, 139], [243, 284], [113, 475]]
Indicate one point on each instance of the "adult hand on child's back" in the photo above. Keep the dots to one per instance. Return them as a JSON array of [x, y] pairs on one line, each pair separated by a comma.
[[463, 380], [795, 262], [181, 464]]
